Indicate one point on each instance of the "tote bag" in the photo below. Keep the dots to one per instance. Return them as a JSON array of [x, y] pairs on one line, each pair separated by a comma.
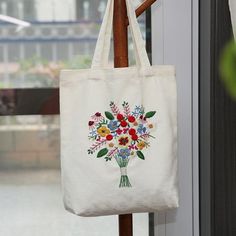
[[118, 132]]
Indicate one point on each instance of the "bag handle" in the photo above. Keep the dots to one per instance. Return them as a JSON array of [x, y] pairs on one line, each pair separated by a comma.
[[101, 54], [139, 43]]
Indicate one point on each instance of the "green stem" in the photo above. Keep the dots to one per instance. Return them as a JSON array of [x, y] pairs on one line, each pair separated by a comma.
[[124, 179], [124, 182]]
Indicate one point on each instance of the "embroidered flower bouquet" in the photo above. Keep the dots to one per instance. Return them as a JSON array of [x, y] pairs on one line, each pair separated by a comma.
[[121, 135]]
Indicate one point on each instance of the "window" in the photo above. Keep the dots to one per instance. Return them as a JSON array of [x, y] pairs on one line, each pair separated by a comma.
[[62, 34]]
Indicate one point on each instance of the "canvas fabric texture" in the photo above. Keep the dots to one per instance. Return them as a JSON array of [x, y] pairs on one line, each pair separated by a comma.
[[119, 132]]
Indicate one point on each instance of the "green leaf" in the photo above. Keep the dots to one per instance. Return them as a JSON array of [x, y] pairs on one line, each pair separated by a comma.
[[140, 155], [102, 152], [90, 151], [150, 114], [109, 115]]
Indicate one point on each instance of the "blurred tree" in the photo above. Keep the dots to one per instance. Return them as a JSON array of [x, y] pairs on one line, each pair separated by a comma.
[[228, 68]]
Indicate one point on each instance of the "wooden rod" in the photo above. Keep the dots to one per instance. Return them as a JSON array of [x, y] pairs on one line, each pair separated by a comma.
[[120, 37], [126, 225], [142, 8]]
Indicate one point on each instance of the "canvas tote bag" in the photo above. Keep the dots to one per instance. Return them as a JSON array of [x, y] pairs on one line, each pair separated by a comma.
[[118, 132]]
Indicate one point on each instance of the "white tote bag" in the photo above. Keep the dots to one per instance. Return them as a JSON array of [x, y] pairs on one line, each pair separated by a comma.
[[119, 132]]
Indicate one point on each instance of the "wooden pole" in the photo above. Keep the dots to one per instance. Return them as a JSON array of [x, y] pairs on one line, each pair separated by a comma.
[[120, 34], [142, 8], [120, 38]]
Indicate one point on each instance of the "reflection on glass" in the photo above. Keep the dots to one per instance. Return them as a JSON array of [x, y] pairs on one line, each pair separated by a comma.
[[30, 193], [62, 35], [29, 142]]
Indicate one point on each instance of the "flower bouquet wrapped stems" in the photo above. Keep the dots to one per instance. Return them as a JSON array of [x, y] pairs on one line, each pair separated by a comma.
[[124, 179]]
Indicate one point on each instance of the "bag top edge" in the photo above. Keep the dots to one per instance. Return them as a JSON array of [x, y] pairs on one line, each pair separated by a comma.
[[158, 69], [165, 67]]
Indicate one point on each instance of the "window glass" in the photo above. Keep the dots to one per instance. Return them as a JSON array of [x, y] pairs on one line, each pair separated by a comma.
[[61, 34]]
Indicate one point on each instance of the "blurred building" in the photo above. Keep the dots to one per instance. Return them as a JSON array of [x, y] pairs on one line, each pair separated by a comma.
[[62, 34]]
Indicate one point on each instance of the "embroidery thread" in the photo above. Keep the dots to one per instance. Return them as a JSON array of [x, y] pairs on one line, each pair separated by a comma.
[[121, 136]]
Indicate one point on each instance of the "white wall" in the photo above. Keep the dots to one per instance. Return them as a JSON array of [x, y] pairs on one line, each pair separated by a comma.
[[175, 41]]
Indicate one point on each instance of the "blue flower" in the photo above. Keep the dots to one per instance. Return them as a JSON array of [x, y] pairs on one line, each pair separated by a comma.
[[124, 153], [93, 133], [138, 111], [113, 125], [141, 129]]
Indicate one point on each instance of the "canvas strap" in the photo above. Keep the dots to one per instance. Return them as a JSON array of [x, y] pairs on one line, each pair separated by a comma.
[[101, 55]]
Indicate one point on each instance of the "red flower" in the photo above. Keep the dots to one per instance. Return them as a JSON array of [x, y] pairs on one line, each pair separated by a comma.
[[134, 137], [98, 114], [123, 123], [109, 137], [131, 119], [125, 130], [132, 131], [119, 131], [91, 123], [131, 147], [120, 117], [123, 141]]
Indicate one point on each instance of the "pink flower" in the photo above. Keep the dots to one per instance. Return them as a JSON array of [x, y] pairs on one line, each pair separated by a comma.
[[97, 117]]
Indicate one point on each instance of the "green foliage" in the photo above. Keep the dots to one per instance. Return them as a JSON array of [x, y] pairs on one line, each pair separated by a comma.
[[109, 115], [102, 152], [228, 68], [38, 69], [78, 62], [32, 62], [140, 155], [1, 85], [107, 158], [150, 114]]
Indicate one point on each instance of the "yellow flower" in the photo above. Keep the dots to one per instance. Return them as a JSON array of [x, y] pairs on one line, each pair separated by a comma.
[[141, 145], [103, 131], [150, 126]]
